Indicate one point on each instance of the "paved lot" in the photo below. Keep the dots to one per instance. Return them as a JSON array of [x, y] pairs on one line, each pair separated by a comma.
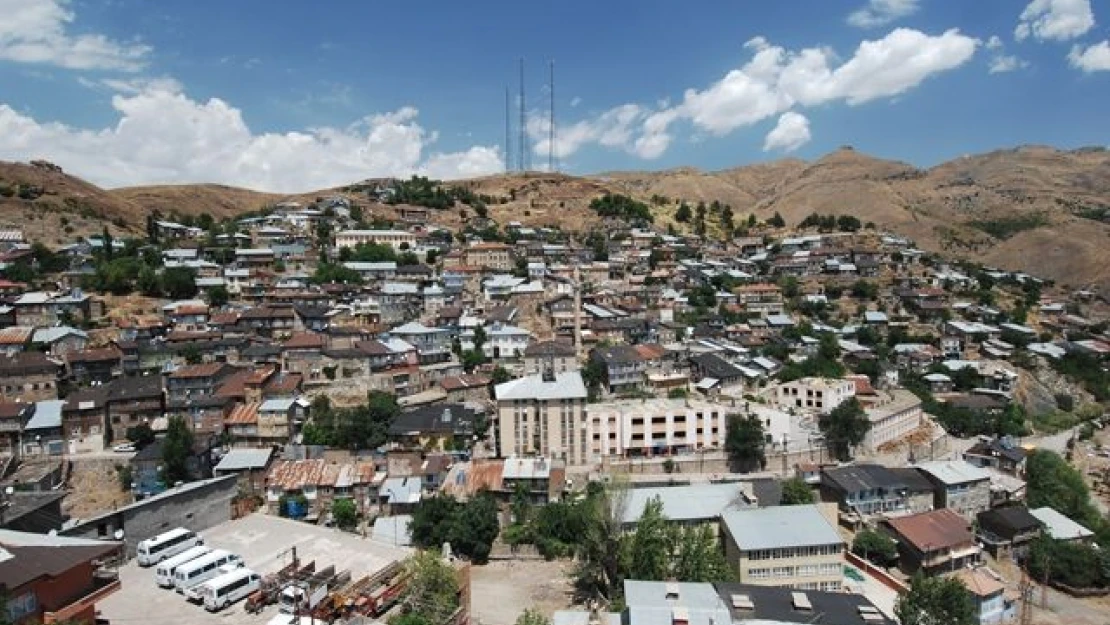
[[263, 542]]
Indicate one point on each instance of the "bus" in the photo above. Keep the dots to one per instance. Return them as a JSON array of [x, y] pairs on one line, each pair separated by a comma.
[[229, 588], [166, 545], [202, 569], [164, 573]]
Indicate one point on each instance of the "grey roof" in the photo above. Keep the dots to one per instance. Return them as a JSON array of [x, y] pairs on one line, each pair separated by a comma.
[[780, 526], [48, 415], [1059, 526], [861, 477], [394, 530], [775, 605], [566, 385], [398, 490], [954, 471], [696, 502], [648, 603], [240, 459]]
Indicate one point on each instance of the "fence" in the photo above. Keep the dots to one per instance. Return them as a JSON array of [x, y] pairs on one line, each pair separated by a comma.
[[714, 462]]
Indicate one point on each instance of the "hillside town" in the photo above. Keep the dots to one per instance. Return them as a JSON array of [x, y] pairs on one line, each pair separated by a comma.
[[344, 411]]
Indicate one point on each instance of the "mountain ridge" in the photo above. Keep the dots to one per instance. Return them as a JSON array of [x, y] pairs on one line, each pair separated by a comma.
[[1030, 208]]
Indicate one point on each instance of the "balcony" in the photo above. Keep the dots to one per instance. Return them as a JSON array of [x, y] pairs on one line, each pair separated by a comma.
[[104, 583]]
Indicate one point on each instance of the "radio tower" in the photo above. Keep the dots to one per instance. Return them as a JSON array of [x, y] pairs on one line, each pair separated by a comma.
[[508, 133], [551, 120], [521, 157]]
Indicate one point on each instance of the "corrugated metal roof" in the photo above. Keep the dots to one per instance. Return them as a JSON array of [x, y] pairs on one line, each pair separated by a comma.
[[780, 526], [240, 459]]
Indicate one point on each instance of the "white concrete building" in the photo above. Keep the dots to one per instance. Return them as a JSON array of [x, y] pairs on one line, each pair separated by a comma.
[[393, 238], [893, 418], [821, 395]]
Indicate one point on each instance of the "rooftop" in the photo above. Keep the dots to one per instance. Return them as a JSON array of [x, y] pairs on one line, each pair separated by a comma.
[[936, 529], [565, 385], [780, 526], [954, 471], [695, 502]]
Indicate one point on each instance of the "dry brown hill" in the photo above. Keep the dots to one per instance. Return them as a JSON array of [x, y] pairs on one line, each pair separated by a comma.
[[1031, 208]]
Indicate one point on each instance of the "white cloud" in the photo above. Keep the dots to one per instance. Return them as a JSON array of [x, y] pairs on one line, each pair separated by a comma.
[[1094, 58], [881, 12], [163, 136], [35, 31], [1002, 63], [1058, 20], [575, 101], [790, 133], [772, 82]]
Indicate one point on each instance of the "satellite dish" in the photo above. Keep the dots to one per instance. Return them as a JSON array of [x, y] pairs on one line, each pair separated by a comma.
[[118, 535]]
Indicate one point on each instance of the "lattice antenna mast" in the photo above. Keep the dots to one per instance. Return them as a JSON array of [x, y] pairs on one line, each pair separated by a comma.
[[508, 132], [551, 119], [522, 156]]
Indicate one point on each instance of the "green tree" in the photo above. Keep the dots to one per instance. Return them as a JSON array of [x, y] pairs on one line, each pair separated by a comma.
[[501, 375], [845, 427], [795, 491], [648, 547], [218, 296], [593, 374], [432, 591], [1052, 482], [469, 527], [177, 448], [683, 213], [192, 354], [745, 442], [598, 566], [345, 513], [936, 601], [776, 221], [179, 282], [532, 616], [698, 556], [876, 547], [140, 435]]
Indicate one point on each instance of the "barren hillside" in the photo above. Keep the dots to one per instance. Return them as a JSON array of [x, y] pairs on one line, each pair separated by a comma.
[[1030, 208]]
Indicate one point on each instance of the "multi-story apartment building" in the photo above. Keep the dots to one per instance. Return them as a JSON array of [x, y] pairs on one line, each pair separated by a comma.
[[560, 356], [624, 368], [489, 255], [959, 485], [814, 394], [793, 546], [196, 381], [503, 341], [131, 401], [656, 426], [432, 344], [544, 415], [893, 417], [28, 377], [397, 239]]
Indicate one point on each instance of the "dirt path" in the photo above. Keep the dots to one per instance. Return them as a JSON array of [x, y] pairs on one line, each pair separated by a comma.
[[94, 488], [501, 590]]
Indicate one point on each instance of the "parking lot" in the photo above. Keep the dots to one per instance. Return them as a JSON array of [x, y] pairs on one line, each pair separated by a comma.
[[263, 541]]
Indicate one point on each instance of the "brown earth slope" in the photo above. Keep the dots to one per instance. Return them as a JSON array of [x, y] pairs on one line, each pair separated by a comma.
[[1031, 208]]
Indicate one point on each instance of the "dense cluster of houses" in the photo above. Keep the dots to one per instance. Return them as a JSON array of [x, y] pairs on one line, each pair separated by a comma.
[[642, 349]]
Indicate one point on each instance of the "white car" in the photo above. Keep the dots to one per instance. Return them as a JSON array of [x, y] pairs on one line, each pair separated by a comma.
[[124, 448]]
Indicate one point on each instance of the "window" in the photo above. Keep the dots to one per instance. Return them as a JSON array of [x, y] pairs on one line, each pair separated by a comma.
[[21, 606]]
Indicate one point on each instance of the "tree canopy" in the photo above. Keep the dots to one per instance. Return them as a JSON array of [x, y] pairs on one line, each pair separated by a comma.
[[469, 527], [845, 427], [431, 595], [621, 207], [936, 601], [745, 442], [361, 427], [795, 491], [177, 448]]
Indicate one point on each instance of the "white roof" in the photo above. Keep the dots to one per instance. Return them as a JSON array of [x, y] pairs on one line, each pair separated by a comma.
[[241, 458], [954, 471], [780, 526], [1059, 526], [415, 327], [526, 468], [566, 385], [49, 335], [695, 502], [48, 414]]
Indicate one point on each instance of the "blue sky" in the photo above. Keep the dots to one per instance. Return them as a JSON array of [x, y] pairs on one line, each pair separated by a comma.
[[292, 96]]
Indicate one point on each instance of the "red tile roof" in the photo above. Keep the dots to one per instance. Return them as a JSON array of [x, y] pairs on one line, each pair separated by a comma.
[[938, 529], [304, 340], [243, 414]]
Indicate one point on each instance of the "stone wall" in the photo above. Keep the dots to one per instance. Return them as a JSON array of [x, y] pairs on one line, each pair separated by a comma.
[[196, 506]]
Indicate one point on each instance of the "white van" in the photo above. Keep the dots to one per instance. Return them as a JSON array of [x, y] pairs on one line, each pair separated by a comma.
[[204, 568], [164, 573], [166, 545], [226, 589]]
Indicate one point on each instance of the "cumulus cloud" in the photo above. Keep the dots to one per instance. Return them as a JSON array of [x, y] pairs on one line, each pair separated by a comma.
[[773, 81], [1094, 58], [1001, 62], [164, 136], [881, 12], [36, 31], [790, 133], [1058, 20]]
